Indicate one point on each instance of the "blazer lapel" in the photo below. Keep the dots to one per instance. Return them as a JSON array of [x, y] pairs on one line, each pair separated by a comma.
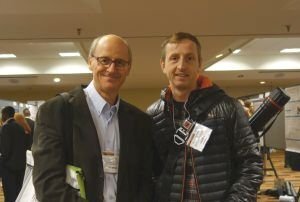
[[83, 121], [126, 129], [87, 146]]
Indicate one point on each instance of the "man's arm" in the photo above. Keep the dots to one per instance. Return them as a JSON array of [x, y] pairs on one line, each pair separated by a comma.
[[49, 153], [248, 172]]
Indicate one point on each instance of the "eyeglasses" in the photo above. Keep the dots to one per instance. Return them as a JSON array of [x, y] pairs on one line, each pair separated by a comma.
[[106, 62]]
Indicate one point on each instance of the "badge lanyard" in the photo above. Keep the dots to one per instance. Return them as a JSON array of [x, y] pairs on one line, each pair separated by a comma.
[[181, 135], [191, 133]]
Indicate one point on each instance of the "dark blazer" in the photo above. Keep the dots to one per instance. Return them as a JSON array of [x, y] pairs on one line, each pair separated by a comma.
[[30, 138], [51, 152], [13, 146], [30, 123]]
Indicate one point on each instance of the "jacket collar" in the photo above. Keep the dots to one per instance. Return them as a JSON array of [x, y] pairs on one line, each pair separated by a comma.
[[200, 100]]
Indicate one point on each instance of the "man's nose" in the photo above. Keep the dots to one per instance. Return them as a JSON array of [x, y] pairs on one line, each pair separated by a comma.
[[112, 67], [181, 64]]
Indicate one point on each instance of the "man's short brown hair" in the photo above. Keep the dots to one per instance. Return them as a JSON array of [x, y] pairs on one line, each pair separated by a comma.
[[178, 37]]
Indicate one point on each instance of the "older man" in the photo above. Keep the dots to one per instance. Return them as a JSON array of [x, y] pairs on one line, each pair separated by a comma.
[[110, 139]]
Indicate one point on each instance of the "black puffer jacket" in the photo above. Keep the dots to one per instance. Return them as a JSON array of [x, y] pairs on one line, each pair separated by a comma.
[[230, 166]]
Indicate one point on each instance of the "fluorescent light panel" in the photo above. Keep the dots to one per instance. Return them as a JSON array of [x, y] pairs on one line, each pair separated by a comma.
[[236, 51], [262, 82], [8, 56], [290, 50], [69, 54], [220, 55], [56, 80]]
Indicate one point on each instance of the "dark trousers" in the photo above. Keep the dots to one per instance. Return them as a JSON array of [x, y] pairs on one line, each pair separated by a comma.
[[12, 183]]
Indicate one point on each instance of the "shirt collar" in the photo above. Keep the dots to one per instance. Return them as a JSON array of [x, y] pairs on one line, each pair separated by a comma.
[[5, 122], [98, 101]]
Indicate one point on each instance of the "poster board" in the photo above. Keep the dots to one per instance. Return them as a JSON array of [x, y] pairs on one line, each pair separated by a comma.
[[292, 120], [275, 137]]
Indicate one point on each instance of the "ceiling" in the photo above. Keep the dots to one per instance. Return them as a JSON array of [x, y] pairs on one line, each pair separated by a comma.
[[36, 31]]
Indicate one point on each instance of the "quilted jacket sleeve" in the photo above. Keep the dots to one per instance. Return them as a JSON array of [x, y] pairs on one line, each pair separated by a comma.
[[247, 159]]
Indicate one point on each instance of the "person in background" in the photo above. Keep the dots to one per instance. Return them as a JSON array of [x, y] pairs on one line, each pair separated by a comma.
[[207, 150], [110, 139], [30, 122], [246, 109], [249, 105], [20, 119], [13, 150]]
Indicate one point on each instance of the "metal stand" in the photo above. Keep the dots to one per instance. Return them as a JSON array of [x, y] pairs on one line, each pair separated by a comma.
[[298, 195], [267, 157]]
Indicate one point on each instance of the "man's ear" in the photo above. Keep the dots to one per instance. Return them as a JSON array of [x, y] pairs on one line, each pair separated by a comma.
[[162, 65], [90, 60]]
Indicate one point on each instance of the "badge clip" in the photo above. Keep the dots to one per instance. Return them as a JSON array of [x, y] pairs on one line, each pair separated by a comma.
[[183, 133]]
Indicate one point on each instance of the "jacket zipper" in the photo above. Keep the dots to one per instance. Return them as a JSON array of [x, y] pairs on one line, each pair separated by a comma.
[[183, 179], [195, 177]]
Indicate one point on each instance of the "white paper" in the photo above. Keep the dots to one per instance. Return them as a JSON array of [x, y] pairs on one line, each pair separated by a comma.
[[199, 137]]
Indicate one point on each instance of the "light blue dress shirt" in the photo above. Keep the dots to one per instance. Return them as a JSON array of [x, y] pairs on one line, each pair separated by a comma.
[[105, 118]]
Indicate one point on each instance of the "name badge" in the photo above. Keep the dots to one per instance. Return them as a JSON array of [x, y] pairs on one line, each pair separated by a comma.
[[199, 136], [110, 162]]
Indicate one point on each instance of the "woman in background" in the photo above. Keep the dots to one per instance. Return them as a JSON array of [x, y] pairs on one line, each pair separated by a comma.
[[20, 119], [248, 104]]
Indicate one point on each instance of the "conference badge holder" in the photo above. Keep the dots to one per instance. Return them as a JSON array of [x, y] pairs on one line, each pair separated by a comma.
[[192, 134], [110, 162]]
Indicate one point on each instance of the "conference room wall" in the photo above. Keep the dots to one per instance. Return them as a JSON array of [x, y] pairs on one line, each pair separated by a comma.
[[142, 98]]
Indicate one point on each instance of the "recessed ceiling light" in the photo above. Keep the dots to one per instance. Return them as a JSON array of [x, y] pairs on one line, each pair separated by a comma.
[[220, 55], [8, 56], [236, 51], [262, 82], [56, 80], [70, 54], [15, 103], [290, 50], [21, 105]]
